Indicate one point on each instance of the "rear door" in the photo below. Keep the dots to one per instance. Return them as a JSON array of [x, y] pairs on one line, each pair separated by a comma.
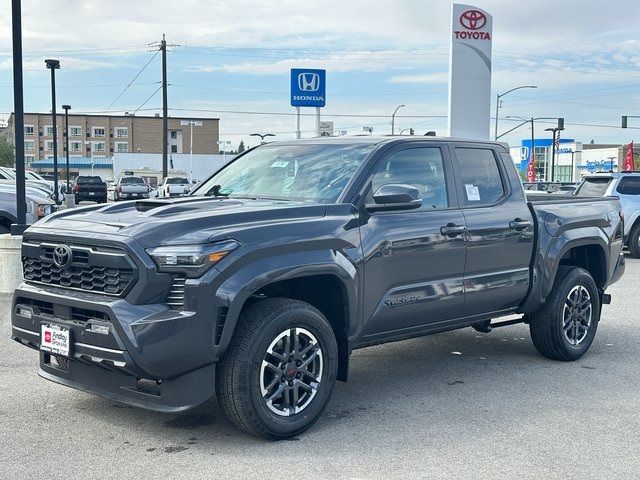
[[499, 229]]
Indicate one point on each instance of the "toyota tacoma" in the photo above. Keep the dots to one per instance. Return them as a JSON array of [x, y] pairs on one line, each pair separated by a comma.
[[258, 285]]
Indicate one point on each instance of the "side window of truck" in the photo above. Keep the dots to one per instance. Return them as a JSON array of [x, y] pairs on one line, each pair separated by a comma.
[[480, 177], [422, 168], [629, 186]]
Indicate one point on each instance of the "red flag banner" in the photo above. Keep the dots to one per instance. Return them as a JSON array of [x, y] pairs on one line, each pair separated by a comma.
[[628, 161], [531, 167]]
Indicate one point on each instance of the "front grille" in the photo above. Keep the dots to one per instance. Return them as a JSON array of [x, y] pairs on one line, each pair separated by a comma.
[[84, 315], [175, 298], [106, 271], [75, 314]]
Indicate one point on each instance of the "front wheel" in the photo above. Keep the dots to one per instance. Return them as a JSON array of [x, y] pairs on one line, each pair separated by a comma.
[[564, 328], [633, 242], [279, 370]]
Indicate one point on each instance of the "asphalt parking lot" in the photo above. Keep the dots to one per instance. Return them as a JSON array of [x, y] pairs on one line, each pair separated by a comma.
[[454, 405]]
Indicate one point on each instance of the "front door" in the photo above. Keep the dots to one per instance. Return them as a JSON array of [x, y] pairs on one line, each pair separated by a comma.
[[413, 268]]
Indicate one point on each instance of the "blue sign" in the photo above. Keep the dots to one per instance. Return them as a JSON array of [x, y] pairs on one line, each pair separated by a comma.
[[308, 87]]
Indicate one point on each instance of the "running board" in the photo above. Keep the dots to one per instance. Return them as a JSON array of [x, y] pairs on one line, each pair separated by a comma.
[[486, 326]]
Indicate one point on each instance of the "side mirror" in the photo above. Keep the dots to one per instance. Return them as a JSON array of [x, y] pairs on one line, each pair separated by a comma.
[[394, 196]]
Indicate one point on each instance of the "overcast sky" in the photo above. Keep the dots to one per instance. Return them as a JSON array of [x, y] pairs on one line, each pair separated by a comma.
[[235, 56]]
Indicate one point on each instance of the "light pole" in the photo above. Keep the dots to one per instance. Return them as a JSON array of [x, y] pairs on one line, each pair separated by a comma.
[[532, 152], [54, 65], [625, 119], [393, 118], [262, 136], [192, 123], [18, 105], [573, 168], [554, 131], [66, 139], [500, 95]]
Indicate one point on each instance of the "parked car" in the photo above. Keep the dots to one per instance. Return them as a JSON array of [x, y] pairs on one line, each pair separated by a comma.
[[131, 187], [38, 206], [173, 187], [9, 174], [90, 187], [626, 186], [258, 286]]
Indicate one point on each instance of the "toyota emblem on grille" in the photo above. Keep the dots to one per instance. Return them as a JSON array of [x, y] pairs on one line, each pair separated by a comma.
[[62, 256]]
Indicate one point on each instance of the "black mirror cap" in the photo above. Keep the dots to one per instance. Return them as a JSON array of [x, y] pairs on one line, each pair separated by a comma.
[[395, 196]]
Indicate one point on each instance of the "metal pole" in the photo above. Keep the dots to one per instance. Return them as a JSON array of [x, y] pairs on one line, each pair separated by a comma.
[[533, 148], [18, 106], [165, 121], [191, 153], [553, 156], [317, 121], [298, 133], [55, 132], [495, 137], [66, 136]]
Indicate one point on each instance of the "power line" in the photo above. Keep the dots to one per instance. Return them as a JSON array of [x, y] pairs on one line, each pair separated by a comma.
[[133, 80]]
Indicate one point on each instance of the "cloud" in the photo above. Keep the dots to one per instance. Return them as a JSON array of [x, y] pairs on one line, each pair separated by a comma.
[[68, 63], [439, 77]]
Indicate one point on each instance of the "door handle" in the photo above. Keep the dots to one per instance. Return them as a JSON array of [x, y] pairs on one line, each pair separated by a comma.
[[452, 230], [519, 224]]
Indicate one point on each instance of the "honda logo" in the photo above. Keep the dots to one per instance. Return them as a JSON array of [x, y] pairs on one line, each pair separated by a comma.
[[309, 82], [473, 19]]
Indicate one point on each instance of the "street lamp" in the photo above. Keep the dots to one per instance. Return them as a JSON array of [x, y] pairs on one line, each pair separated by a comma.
[[393, 118], [555, 131], [500, 95], [262, 136], [573, 167], [66, 139], [54, 65], [192, 123]]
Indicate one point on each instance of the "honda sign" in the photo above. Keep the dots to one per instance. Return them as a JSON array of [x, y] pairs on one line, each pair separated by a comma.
[[307, 87]]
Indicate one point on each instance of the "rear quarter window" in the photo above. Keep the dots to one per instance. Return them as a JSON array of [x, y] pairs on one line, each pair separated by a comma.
[[629, 186]]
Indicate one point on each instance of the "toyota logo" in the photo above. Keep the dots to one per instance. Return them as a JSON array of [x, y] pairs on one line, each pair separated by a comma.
[[473, 19], [62, 256]]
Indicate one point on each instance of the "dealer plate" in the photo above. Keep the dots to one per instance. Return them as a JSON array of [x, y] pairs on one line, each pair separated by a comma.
[[55, 339]]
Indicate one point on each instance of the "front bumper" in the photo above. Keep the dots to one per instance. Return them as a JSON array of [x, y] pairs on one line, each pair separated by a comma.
[[144, 355]]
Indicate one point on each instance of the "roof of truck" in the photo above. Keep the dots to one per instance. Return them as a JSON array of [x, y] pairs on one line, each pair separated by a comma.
[[381, 139]]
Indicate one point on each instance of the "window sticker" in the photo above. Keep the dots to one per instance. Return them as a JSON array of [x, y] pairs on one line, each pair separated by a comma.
[[473, 193]]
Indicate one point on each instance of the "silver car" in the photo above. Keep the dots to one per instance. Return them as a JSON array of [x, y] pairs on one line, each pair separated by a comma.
[[38, 206], [625, 185]]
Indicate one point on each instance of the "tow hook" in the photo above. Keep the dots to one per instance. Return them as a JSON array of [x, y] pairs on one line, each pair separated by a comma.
[[606, 298]]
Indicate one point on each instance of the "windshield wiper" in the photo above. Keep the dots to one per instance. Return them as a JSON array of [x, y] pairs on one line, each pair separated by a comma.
[[215, 192]]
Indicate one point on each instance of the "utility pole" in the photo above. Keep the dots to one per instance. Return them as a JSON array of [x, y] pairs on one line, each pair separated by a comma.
[[165, 119]]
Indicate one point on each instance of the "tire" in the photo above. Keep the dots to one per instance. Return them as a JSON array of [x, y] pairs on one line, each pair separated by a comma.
[[242, 374], [633, 242], [573, 286]]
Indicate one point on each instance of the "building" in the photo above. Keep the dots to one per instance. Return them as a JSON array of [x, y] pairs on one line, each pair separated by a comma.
[[94, 139]]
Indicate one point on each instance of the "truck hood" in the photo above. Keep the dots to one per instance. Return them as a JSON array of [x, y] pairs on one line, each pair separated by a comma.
[[183, 220]]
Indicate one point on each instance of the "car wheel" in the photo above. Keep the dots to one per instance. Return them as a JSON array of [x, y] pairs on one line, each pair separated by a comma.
[[633, 241], [564, 328], [278, 373]]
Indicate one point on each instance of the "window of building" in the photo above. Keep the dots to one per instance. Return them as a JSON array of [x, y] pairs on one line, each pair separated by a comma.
[[121, 132], [98, 146], [75, 131], [422, 168], [563, 173], [122, 147], [29, 144], [174, 134], [48, 131], [29, 158], [28, 130], [480, 177], [75, 146], [98, 131], [629, 186], [174, 149], [48, 145]]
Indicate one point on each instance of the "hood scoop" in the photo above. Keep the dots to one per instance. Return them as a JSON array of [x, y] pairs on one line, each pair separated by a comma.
[[146, 205]]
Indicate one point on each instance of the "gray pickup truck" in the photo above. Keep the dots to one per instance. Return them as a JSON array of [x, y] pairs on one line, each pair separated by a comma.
[[258, 285]]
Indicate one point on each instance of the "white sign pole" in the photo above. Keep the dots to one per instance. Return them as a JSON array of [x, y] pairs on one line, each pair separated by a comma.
[[317, 121], [470, 73], [298, 123]]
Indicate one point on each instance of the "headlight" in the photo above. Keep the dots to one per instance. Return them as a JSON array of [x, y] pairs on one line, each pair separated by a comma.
[[193, 260], [44, 210]]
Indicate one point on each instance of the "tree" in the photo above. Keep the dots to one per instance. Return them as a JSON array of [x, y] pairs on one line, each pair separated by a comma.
[[7, 153], [241, 147]]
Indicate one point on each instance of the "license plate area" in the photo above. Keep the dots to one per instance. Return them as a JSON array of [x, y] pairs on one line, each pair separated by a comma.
[[55, 339]]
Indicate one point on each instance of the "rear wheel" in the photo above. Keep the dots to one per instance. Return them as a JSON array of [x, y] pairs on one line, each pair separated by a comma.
[[279, 371], [565, 326], [634, 241]]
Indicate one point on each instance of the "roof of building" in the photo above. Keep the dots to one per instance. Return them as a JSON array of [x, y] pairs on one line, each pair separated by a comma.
[[80, 114]]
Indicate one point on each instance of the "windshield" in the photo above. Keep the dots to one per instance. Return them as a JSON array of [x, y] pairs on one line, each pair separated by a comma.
[[89, 180], [177, 181], [594, 187], [131, 180], [303, 172]]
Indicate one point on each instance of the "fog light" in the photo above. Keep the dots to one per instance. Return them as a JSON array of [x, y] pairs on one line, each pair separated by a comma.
[[25, 312]]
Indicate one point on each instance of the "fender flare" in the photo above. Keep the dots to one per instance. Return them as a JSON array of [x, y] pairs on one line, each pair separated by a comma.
[[8, 216], [239, 286]]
